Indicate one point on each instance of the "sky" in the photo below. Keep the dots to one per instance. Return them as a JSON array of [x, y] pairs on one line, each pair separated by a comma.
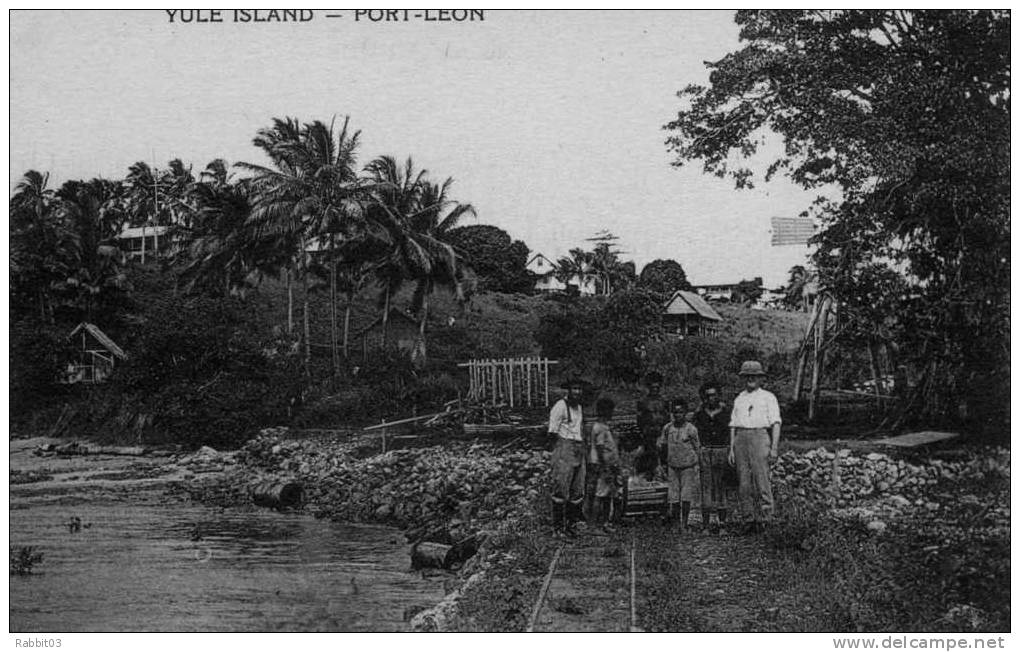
[[550, 123]]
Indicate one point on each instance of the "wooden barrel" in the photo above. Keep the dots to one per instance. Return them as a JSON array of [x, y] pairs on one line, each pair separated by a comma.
[[277, 494]]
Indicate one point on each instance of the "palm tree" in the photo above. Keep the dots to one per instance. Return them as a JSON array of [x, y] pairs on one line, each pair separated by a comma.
[[578, 265], [222, 246], [93, 216], [175, 185], [796, 286], [37, 239], [310, 194], [145, 201], [430, 225], [396, 193]]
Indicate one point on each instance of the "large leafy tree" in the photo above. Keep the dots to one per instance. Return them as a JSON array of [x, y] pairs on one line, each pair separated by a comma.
[[663, 276], [499, 261], [906, 115]]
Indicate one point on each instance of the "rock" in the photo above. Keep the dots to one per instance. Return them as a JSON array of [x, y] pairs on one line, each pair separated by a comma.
[[899, 501], [877, 526]]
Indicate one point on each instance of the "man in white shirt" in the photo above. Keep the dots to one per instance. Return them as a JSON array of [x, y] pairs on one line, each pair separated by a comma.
[[754, 441], [566, 421]]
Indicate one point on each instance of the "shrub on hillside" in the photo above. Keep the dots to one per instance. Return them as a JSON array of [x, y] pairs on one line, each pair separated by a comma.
[[37, 358], [603, 336], [198, 374]]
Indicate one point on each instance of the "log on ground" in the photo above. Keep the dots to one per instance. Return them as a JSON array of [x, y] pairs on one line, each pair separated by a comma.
[[277, 494]]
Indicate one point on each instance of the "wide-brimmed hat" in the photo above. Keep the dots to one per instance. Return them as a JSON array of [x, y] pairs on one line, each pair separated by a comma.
[[574, 381], [751, 368]]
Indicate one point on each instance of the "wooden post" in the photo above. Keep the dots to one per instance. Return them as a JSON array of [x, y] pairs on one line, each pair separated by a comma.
[[495, 380], [873, 357], [545, 365], [529, 366], [802, 355], [510, 369], [818, 357]]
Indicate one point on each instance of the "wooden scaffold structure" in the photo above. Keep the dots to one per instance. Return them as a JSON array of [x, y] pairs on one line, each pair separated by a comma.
[[826, 325], [515, 382]]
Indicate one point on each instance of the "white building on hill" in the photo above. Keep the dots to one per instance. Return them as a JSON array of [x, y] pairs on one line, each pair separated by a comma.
[[545, 269]]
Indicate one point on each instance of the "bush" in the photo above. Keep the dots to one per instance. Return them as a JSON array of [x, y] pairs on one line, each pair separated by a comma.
[[198, 374], [603, 336], [37, 358]]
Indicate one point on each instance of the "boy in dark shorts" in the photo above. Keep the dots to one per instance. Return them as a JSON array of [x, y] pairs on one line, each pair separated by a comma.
[[604, 462]]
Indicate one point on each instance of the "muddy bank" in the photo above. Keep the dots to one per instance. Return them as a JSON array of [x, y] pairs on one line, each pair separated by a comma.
[[444, 493], [92, 534]]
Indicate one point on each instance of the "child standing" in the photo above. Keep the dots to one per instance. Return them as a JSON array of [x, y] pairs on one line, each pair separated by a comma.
[[680, 450], [605, 464]]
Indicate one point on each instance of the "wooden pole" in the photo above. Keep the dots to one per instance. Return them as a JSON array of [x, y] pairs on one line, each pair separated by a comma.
[[529, 368], [510, 369], [802, 354], [873, 358], [818, 357], [545, 365]]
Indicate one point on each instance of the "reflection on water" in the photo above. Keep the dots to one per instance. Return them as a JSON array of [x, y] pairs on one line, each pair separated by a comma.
[[173, 567]]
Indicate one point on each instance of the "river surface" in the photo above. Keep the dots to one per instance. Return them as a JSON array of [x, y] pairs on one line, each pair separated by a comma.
[[143, 562]]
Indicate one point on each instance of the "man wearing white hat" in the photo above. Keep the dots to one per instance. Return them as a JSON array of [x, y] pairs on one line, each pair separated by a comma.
[[754, 441]]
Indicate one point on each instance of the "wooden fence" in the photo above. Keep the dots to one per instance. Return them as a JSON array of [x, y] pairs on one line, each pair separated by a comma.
[[515, 382]]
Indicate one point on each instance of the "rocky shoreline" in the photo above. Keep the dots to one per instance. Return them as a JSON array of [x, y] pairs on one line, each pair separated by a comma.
[[447, 493]]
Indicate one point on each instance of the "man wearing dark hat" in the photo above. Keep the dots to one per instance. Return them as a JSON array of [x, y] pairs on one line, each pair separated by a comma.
[[568, 457], [754, 441]]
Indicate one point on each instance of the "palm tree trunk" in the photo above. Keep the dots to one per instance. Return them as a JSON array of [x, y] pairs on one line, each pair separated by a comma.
[[290, 302], [386, 316], [347, 324], [332, 318], [424, 313], [305, 317]]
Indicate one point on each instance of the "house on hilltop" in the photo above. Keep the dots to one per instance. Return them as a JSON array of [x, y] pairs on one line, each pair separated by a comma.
[[546, 270], [686, 313], [147, 242], [95, 355], [722, 291]]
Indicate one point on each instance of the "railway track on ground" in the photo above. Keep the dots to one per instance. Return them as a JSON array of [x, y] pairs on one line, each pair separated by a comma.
[[591, 585]]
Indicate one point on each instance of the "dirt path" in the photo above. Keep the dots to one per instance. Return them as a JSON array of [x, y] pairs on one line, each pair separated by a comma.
[[690, 582], [589, 590]]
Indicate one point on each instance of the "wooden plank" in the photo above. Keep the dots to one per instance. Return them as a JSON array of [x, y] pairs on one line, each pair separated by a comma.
[[915, 439], [543, 591], [400, 421]]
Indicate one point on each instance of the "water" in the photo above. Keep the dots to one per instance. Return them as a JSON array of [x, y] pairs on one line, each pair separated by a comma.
[[146, 564]]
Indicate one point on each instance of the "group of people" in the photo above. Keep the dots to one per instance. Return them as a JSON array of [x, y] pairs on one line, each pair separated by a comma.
[[709, 457]]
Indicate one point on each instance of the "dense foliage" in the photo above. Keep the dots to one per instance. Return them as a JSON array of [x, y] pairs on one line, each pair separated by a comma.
[[201, 371], [663, 276], [906, 114], [602, 336], [499, 261]]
